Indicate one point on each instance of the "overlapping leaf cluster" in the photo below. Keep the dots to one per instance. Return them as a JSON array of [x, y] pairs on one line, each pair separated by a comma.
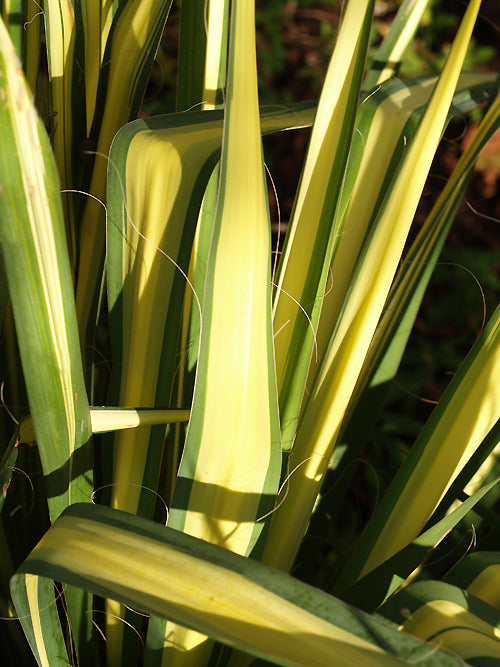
[[236, 386]]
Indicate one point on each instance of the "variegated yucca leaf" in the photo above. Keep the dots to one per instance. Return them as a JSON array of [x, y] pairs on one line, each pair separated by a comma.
[[6, 468], [24, 22], [236, 600], [132, 41], [190, 291], [336, 379], [449, 618], [232, 455], [390, 338], [68, 111], [103, 420], [100, 57], [202, 54], [206, 82], [479, 573], [379, 584], [40, 286], [41, 289], [193, 50], [469, 409], [232, 434], [373, 162], [390, 53], [482, 466], [150, 233], [316, 224], [209, 86]]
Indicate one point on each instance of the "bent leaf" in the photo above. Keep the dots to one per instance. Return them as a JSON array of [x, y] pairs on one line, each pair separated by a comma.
[[449, 618], [235, 600]]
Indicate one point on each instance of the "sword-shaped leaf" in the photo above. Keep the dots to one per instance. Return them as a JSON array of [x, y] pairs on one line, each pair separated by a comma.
[[379, 584], [390, 53], [158, 174], [235, 600], [336, 379], [468, 410], [479, 573], [316, 224], [40, 286]]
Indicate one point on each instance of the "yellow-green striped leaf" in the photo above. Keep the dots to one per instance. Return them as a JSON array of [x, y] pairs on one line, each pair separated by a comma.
[[316, 224], [234, 599], [336, 380], [468, 410], [378, 585], [450, 619], [390, 53], [232, 447], [130, 46], [150, 232], [479, 573], [231, 458], [392, 333], [107, 419], [40, 286]]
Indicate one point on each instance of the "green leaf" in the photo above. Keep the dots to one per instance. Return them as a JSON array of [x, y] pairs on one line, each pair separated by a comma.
[[234, 426], [7, 465], [335, 382], [379, 584], [450, 619], [40, 286], [479, 573], [24, 20], [233, 599], [37, 611], [390, 53], [467, 412], [202, 54], [232, 455], [108, 419], [144, 248], [316, 224], [405, 297], [130, 34]]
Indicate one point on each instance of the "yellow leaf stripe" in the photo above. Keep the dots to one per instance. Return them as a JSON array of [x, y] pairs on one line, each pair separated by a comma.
[[39, 212], [332, 391]]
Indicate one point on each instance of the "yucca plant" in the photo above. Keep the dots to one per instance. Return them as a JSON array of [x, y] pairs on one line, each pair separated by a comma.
[[174, 518]]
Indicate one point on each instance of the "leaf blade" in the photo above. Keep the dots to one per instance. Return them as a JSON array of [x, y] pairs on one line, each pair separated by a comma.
[[245, 603]]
